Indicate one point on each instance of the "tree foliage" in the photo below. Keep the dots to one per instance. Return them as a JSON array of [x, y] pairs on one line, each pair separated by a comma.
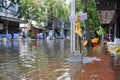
[[92, 15], [43, 10], [102, 31], [58, 9], [30, 10]]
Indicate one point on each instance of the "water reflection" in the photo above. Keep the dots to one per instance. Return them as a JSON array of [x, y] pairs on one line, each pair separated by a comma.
[[34, 59], [9, 60]]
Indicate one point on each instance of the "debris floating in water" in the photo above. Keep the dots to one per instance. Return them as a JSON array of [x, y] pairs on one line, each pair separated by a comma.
[[77, 58], [90, 59]]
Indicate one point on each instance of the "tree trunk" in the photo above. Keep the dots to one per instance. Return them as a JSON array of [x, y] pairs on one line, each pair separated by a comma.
[[89, 46]]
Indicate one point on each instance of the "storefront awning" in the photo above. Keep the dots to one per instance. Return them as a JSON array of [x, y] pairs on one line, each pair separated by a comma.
[[106, 16], [106, 11], [12, 19]]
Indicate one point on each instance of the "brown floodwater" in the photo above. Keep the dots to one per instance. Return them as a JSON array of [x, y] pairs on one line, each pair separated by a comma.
[[101, 68], [52, 60], [34, 59]]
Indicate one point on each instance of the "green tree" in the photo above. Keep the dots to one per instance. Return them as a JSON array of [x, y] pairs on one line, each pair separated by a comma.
[[30, 10], [102, 31], [92, 15], [40, 10], [58, 10]]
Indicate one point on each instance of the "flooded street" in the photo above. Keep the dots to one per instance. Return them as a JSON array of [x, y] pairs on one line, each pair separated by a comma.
[[34, 59], [52, 60]]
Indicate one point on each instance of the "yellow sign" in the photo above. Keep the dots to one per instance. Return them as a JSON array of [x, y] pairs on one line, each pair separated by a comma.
[[78, 27]]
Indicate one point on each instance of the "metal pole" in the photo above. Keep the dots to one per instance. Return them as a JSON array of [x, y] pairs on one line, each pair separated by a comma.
[[73, 27]]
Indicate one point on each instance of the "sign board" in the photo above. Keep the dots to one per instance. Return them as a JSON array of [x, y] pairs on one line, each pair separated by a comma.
[[1, 26], [83, 16]]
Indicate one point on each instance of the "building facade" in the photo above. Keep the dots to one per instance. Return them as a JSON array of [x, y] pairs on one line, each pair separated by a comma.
[[9, 22]]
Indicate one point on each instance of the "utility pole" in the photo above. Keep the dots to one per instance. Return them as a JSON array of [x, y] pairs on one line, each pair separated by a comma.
[[89, 46], [73, 27]]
